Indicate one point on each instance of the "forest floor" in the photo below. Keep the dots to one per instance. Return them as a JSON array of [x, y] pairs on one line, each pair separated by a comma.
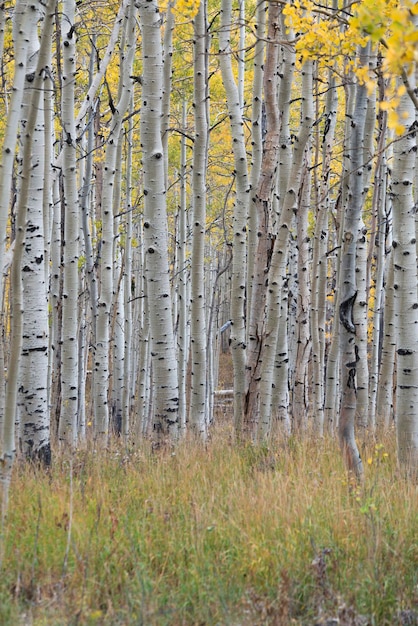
[[222, 534]]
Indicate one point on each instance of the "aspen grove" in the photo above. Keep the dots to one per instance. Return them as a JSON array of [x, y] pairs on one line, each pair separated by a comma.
[[180, 181]]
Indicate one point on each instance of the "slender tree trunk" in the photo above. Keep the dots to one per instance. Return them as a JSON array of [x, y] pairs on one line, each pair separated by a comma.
[[198, 416], [348, 286], [265, 243], [405, 286], [164, 363], [128, 287], [67, 432], [238, 282], [279, 258], [303, 338], [257, 143], [320, 260], [102, 348], [183, 274], [33, 376]]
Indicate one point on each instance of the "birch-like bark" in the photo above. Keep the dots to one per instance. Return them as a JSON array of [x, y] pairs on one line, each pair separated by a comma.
[[67, 431], [278, 264], [385, 395], [300, 398], [167, 72], [256, 140], [164, 363], [104, 309], [33, 375], [361, 305], [183, 274], [333, 379], [128, 290], [238, 282], [23, 20], [377, 252], [263, 201], [348, 286], [8, 442], [55, 304], [198, 417], [405, 286], [320, 260], [280, 394]]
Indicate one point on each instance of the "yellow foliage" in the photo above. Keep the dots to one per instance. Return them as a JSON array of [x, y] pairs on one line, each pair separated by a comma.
[[187, 9], [332, 40]]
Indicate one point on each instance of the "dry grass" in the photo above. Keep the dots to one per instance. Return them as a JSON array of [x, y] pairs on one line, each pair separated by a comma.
[[238, 535]]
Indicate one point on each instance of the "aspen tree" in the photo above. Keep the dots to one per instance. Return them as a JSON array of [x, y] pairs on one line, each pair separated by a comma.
[[127, 284], [361, 308], [183, 273], [23, 20], [198, 414], [347, 283], [265, 243], [164, 364], [256, 140], [279, 256], [280, 400], [67, 431], [167, 71], [8, 435], [238, 281], [385, 395], [377, 252], [320, 259], [101, 356], [301, 394], [33, 376], [405, 286], [333, 378]]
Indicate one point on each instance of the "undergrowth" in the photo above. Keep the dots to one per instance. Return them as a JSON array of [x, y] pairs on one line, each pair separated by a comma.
[[222, 534]]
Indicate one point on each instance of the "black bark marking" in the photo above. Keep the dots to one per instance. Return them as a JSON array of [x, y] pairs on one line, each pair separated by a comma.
[[346, 314]]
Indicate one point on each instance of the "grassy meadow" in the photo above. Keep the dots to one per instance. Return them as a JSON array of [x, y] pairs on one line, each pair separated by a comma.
[[223, 534]]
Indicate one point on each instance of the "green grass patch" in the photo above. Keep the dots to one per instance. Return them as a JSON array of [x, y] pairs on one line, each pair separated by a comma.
[[227, 534]]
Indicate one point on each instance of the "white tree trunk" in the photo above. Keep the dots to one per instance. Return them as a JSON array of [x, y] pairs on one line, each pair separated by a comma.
[[320, 260], [105, 301], [405, 285], [182, 279], [348, 285], [257, 336], [279, 257], [33, 376], [237, 337], [164, 363], [198, 417], [67, 431]]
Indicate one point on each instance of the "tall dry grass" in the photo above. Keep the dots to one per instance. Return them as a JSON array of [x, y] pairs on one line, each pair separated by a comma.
[[226, 534]]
